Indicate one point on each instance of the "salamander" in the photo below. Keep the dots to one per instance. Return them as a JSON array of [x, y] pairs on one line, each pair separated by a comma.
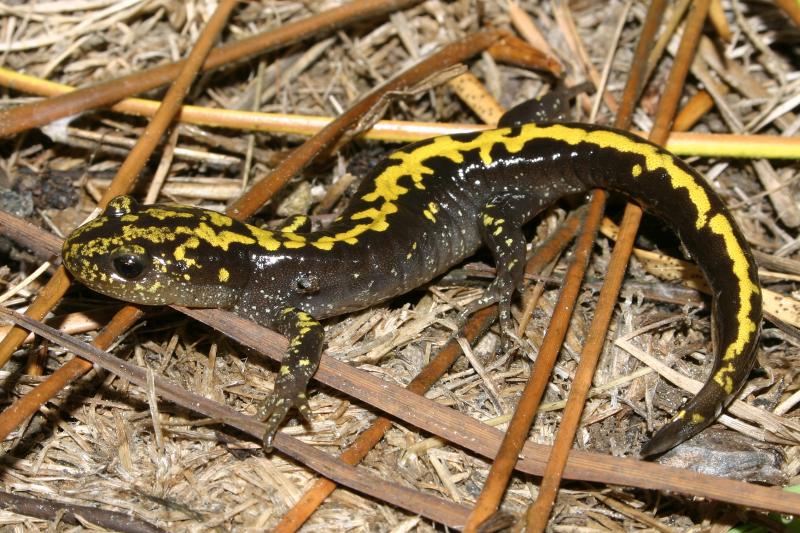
[[422, 210]]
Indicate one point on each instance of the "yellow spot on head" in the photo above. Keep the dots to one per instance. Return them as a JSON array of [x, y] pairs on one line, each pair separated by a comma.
[[224, 275], [180, 251], [636, 171]]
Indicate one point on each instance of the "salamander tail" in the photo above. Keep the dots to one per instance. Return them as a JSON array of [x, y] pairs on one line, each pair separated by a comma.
[[692, 418]]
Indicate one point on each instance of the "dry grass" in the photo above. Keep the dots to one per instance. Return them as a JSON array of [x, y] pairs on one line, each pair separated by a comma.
[[103, 444]]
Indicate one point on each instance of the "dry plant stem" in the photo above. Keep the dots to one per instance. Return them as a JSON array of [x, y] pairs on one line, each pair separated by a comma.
[[699, 144], [330, 134], [515, 51], [18, 412], [698, 105], [565, 233], [462, 430], [59, 283], [66, 512], [467, 432], [539, 512], [518, 429], [36, 114], [171, 105], [717, 17], [792, 8], [635, 83]]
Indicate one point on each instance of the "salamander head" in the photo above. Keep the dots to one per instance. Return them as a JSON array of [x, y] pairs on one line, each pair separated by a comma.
[[159, 254]]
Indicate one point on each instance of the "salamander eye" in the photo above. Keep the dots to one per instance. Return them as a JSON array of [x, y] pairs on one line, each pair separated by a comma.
[[307, 283], [128, 265]]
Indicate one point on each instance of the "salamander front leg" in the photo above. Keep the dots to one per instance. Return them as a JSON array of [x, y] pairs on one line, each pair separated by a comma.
[[306, 337], [500, 225]]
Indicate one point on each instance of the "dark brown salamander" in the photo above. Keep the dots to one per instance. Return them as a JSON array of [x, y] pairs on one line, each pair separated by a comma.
[[425, 208]]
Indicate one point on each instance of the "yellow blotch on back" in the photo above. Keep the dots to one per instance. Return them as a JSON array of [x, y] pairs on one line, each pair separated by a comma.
[[265, 238], [218, 219], [223, 239], [164, 214], [746, 328]]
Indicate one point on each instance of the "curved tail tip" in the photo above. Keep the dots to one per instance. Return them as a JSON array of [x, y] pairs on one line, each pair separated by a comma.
[[666, 438]]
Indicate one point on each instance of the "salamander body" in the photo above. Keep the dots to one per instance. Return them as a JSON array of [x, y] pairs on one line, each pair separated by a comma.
[[424, 209]]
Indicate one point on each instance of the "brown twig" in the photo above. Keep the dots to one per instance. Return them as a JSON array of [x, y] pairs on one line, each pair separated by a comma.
[[539, 512], [462, 430], [792, 8], [70, 513], [29, 116], [698, 105]]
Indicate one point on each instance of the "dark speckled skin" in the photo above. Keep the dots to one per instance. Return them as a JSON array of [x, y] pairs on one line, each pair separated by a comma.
[[424, 209]]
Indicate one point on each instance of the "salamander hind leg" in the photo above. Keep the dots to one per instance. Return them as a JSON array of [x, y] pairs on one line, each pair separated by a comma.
[[500, 224], [306, 337]]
